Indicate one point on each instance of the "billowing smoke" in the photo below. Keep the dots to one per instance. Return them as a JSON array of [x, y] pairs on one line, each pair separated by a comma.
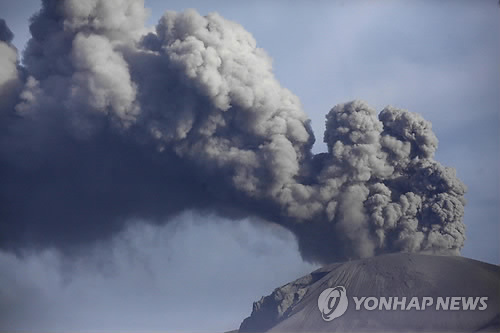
[[107, 121]]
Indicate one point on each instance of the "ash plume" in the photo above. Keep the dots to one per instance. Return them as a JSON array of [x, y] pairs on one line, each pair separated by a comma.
[[107, 121]]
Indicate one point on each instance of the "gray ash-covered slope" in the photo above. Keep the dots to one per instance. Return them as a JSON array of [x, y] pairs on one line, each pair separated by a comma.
[[294, 307]]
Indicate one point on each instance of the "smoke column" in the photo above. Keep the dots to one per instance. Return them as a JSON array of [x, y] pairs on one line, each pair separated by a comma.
[[106, 121]]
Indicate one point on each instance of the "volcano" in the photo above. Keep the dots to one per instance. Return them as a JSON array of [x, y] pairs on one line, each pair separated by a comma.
[[440, 279]]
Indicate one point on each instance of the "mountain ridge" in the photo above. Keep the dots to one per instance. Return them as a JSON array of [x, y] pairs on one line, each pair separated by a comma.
[[293, 307]]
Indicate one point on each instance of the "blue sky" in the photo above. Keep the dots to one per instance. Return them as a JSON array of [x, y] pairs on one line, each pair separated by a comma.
[[437, 58]]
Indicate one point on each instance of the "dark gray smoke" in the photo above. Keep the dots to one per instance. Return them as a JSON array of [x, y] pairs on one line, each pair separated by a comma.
[[113, 122], [6, 34], [9, 76]]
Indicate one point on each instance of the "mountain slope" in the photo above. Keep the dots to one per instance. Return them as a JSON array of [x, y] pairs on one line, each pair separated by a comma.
[[294, 307]]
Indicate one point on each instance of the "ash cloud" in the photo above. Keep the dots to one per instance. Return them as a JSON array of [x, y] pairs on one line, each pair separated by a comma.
[[6, 34], [9, 71], [107, 121]]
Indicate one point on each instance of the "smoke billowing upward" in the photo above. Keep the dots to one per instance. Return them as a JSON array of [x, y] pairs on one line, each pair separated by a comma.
[[107, 121]]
